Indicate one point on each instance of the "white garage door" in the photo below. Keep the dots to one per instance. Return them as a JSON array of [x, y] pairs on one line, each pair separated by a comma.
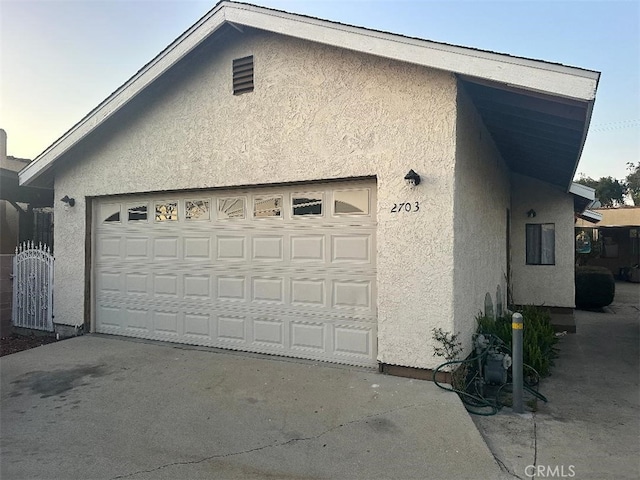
[[288, 271]]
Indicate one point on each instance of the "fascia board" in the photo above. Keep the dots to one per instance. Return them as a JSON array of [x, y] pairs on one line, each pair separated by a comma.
[[590, 216], [582, 191], [554, 79], [524, 73]]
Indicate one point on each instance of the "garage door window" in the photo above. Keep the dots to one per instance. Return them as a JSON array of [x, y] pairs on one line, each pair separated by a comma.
[[267, 206], [110, 212], [351, 202], [197, 209], [307, 204], [166, 211], [230, 207], [137, 212]]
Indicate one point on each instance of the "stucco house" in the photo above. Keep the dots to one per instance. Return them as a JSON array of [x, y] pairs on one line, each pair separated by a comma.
[[246, 190]]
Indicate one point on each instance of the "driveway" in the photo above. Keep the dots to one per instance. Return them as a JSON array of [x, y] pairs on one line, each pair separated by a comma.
[[109, 408]]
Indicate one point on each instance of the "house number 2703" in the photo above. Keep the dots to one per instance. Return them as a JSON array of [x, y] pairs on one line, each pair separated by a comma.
[[405, 207]]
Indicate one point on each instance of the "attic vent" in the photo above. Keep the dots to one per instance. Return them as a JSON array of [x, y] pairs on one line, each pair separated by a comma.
[[243, 75]]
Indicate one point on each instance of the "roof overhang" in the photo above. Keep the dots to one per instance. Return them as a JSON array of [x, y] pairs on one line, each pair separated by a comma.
[[539, 135], [583, 196], [590, 216], [11, 191], [533, 82]]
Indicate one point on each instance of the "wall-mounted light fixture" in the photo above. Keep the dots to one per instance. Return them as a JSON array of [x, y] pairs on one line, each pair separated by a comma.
[[68, 202], [412, 178], [531, 213]]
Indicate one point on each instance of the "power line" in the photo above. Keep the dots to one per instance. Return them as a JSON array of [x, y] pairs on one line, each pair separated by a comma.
[[603, 127]]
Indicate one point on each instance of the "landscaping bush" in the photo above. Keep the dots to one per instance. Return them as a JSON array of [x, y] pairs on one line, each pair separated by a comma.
[[595, 287], [539, 339]]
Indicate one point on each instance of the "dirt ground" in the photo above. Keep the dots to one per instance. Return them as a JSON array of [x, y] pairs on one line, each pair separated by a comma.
[[13, 343]]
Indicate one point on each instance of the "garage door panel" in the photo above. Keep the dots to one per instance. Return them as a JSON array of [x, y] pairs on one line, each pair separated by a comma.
[[268, 332], [165, 248], [198, 325], [351, 341], [307, 248], [308, 292], [165, 285], [197, 286], [197, 248], [136, 283], [352, 294], [232, 288], [351, 248], [109, 282], [231, 248], [232, 329], [111, 317], [136, 247], [165, 322], [267, 290], [137, 319], [109, 248], [269, 248], [308, 336], [244, 271]]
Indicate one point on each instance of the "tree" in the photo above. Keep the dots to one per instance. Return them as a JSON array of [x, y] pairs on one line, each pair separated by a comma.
[[633, 182], [609, 191]]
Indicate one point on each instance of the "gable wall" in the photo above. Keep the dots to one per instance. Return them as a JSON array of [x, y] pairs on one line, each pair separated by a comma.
[[549, 285], [482, 197], [316, 113]]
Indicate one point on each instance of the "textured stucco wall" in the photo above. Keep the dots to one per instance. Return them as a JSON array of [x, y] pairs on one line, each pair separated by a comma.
[[316, 113], [550, 285], [482, 198]]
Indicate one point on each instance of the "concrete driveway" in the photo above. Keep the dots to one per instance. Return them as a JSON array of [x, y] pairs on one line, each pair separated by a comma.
[[109, 408]]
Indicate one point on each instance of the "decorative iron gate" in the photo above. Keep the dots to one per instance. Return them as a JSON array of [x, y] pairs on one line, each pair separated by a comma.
[[33, 287]]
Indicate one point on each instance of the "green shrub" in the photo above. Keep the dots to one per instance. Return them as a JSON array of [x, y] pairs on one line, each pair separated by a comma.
[[595, 287], [539, 339]]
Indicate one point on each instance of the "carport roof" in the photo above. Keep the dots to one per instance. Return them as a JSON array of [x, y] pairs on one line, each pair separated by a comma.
[[537, 112]]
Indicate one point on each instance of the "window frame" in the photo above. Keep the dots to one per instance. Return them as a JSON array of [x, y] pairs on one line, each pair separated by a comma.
[[538, 253], [300, 195], [336, 193]]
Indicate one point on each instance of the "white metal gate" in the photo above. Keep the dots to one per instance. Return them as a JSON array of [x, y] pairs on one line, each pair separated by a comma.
[[33, 287]]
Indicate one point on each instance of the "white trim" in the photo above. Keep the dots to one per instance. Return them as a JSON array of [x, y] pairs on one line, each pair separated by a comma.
[[554, 79], [143, 78], [583, 191], [523, 73], [590, 216]]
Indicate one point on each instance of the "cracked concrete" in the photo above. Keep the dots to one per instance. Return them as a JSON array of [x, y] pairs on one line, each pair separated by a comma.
[[115, 408], [274, 445]]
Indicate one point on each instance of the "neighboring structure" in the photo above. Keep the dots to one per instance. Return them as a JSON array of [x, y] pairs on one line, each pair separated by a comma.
[[618, 237], [246, 190], [18, 222]]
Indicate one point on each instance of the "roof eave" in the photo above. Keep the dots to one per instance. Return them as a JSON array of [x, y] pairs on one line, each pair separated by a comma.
[[590, 216], [197, 33], [582, 191], [534, 75]]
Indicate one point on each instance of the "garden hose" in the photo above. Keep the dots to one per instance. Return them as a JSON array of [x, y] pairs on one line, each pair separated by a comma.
[[476, 401]]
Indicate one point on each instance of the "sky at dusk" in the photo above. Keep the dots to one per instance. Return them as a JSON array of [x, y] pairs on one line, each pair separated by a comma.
[[60, 59]]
